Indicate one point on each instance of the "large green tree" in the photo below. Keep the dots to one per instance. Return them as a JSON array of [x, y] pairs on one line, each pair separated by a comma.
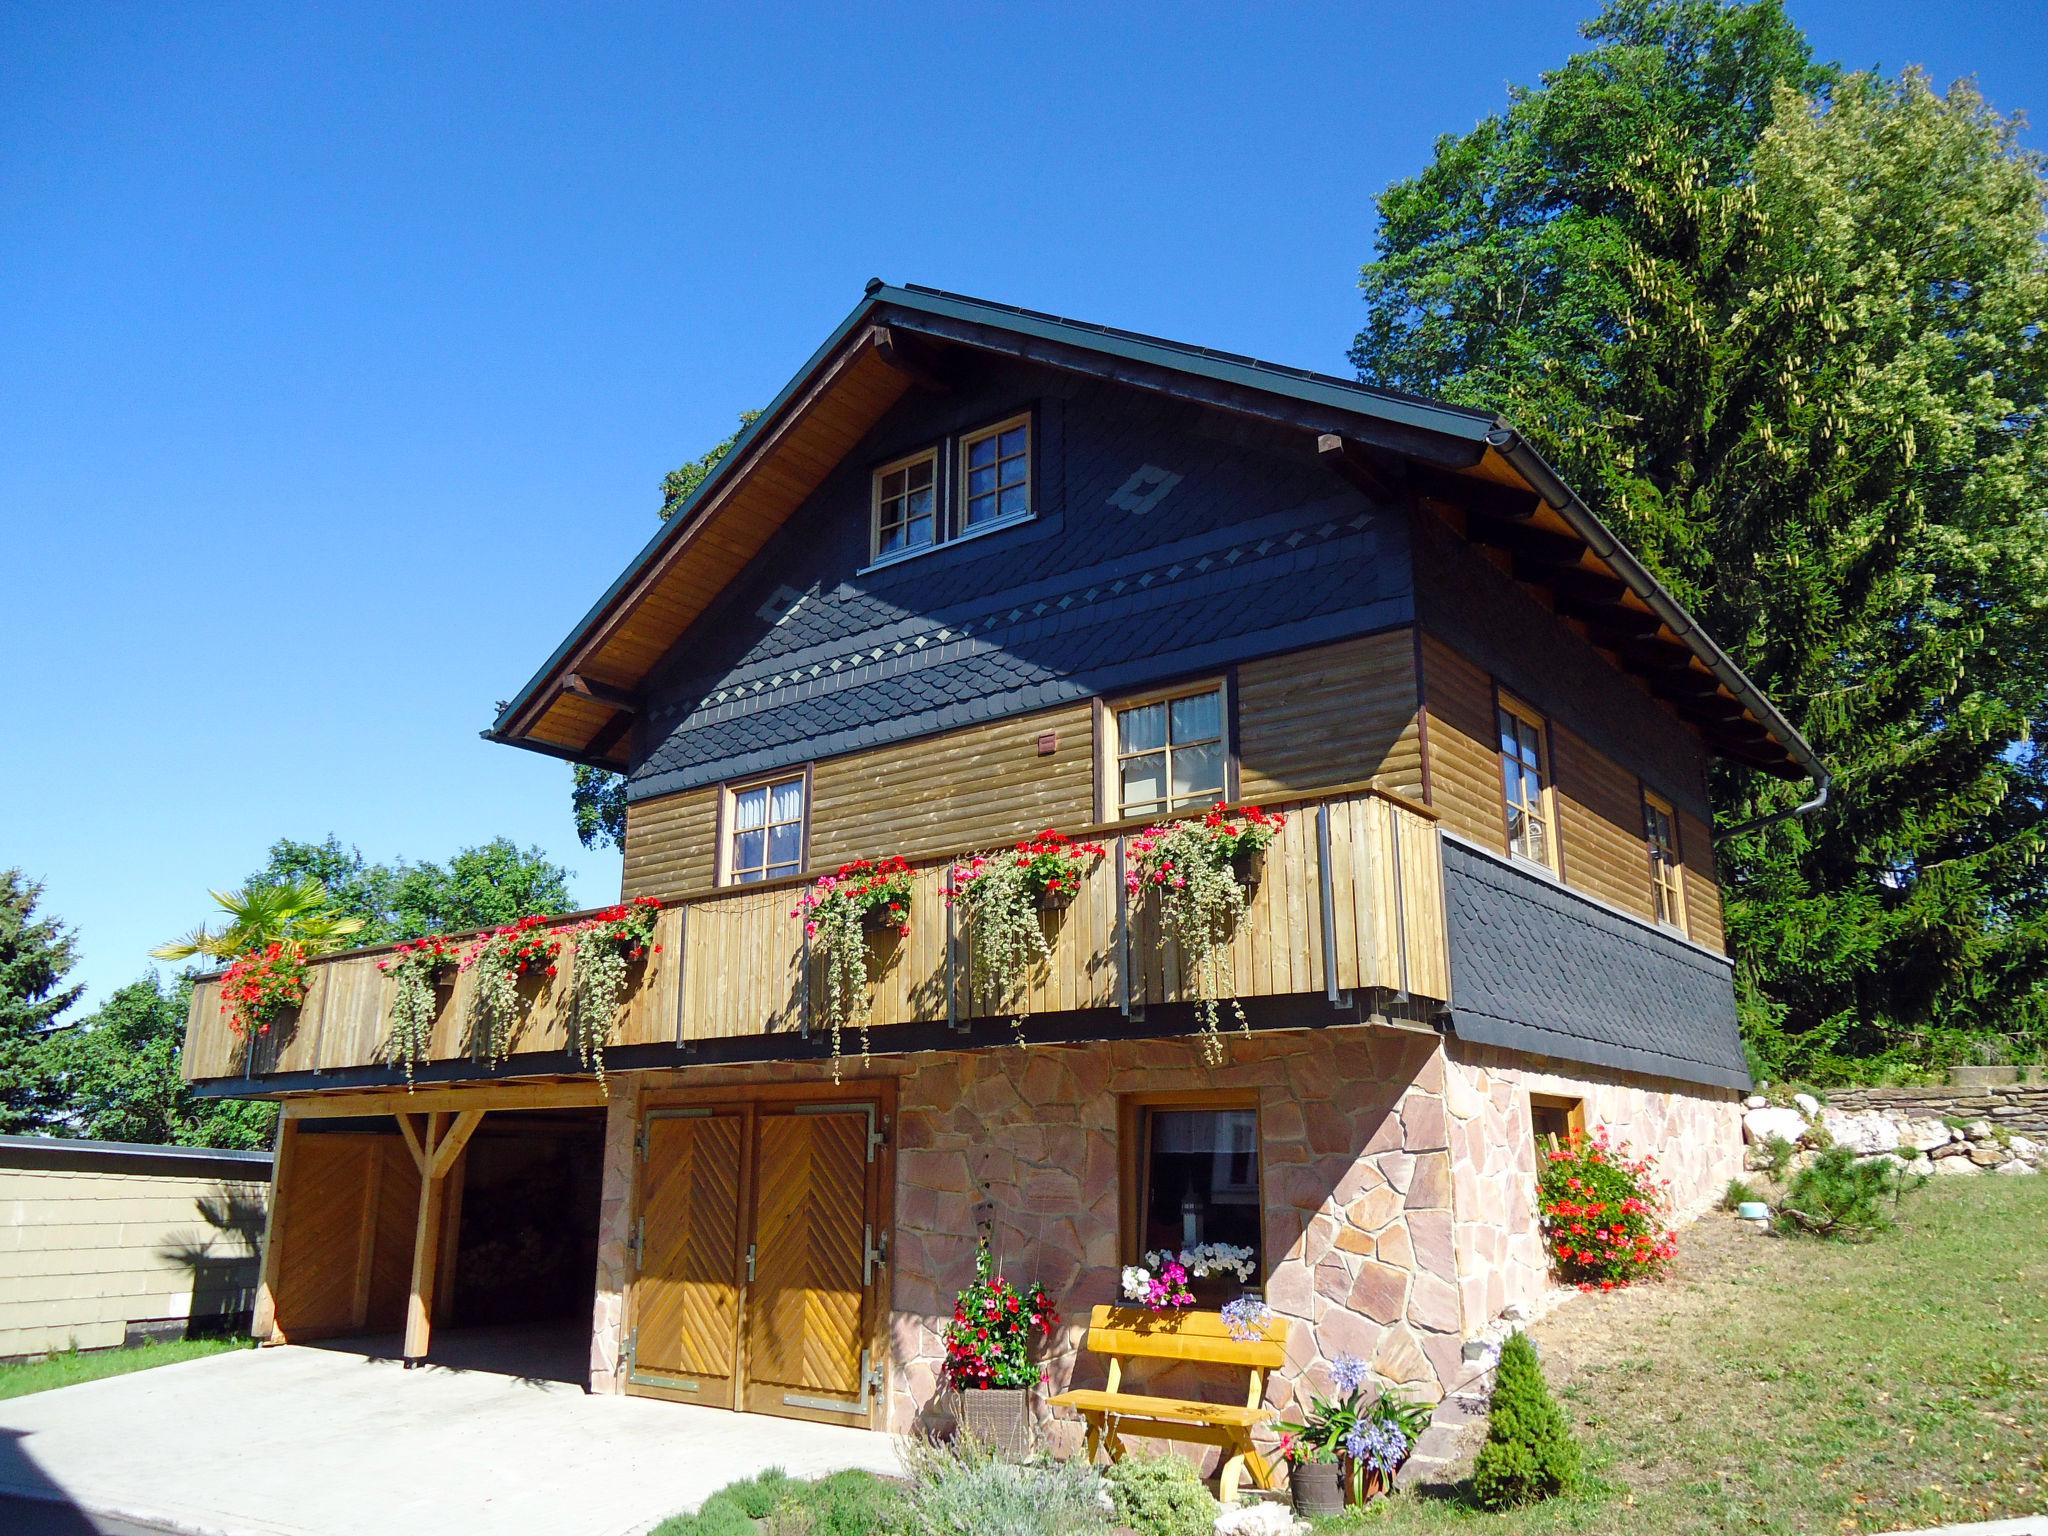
[[1781, 327], [597, 799], [36, 955], [478, 887]]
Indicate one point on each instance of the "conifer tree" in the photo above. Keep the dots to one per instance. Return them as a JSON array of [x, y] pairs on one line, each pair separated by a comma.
[[36, 954], [1529, 1452]]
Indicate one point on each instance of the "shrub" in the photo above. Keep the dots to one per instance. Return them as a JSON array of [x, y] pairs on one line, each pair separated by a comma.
[[1778, 1155], [1604, 1215], [1160, 1496], [965, 1489], [1739, 1192], [1837, 1196], [844, 1504], [1529, 1452]]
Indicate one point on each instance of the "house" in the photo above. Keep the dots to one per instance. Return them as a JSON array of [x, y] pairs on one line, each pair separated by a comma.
[[976, 572]]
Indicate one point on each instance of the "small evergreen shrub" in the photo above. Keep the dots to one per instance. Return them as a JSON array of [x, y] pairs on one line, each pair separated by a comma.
[[1160, 1496], [1837, 1196], [1739, 1192], [1778, 1155], [1529, 1454], [966, 1489]]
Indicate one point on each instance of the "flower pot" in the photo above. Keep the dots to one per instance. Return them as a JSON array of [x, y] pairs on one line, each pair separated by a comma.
[[998, 1417], [1317, 1488], [1057, 901], [876, 921], [1249, 865]]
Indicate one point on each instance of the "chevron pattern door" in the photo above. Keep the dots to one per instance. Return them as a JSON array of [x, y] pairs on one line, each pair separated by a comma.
[[686, 1323], [808, 1310]]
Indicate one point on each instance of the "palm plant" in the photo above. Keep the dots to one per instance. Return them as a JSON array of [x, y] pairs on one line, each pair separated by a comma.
[[261, 914]]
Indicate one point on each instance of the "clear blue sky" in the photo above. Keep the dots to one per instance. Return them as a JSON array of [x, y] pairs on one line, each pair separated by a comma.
[[343, 348]]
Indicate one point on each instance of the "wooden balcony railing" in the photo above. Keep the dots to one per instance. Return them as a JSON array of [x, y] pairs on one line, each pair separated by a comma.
[[1352, 898]]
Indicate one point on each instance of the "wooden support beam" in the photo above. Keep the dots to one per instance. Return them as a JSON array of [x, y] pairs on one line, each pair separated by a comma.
[[610, 734], [601, 693], [1539, 546], [426, 1250], [1375, 474], [531, 1094], [366, 1243], [412, 1142], [263, 1318], [912, 357], [453, 1142]]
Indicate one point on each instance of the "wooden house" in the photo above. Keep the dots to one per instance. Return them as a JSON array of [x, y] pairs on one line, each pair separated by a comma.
[[976, 572]]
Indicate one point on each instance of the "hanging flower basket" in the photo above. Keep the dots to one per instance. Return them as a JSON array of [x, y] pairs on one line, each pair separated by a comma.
[[522, 954], [419, 969], [1249, 865], [841, 914], [264, 991], [996, 1329], [1003, 895], [608, 948]]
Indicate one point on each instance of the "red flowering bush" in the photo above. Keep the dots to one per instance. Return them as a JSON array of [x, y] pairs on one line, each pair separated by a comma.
[[262, 985], [1605, 1212], [500, 959], [417, 967], [995, 1326], [607, 946], [837, 913]]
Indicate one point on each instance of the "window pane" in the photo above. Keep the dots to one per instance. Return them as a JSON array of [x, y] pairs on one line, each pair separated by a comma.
[[785, 845], [749, 809], [891, 539], [920, 473], [1016, 500], [1199, 718], [981, 451], [1197, 771], [746, 850], [892, 485], [1141, 729], [1202, 1182], [1143, 784], [1013, 442], [789, 800], [980, 509], [919, 532], [980, 481]]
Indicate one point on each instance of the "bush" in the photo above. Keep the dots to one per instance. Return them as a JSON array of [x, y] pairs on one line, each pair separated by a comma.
[[1529, 1452], [844, 1504], [1837, 1196], [1160, 1496], [1739, 1192], [965, 1489], [1778, 1155], [1604, 1213]]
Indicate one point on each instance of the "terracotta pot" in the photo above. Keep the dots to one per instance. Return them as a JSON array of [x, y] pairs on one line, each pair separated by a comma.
[[1249, 865], [998, 1417], [1317, 1488]]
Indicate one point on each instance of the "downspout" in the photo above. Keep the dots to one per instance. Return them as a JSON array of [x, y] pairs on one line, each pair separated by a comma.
[[1821, 786]]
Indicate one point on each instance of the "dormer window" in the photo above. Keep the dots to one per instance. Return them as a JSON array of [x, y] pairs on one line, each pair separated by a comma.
[[996, 465], [906, 514]]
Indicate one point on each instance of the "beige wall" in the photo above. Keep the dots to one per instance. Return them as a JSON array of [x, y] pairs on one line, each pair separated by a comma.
[[92, 1243]]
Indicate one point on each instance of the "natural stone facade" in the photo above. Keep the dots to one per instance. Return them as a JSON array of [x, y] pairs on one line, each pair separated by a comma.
[[1397, 1186]]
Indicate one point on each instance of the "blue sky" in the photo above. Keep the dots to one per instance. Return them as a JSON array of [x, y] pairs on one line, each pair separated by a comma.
[[343, 348]]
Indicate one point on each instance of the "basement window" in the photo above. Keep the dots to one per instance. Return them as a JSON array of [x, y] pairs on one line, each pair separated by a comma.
[[1554, 1121], [1192, 1165]]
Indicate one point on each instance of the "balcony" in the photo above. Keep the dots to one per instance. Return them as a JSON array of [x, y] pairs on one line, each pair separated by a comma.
[[1351, 902]]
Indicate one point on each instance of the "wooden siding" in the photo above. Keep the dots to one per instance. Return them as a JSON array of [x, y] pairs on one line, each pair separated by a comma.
[[1464, 754], [735, 962], [671, 844], [1600, 820], [1338, 714], [1702, 882], [978, 787]]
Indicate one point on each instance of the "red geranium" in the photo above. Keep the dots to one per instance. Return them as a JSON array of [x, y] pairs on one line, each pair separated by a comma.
[[1604, 1212], [994, 1329], [262, 985]]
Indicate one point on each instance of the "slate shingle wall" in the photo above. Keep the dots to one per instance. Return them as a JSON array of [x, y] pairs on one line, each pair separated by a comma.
[[1123, 579], [1538, 968]]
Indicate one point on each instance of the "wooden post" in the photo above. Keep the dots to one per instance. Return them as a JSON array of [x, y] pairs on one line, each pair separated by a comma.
[[435, 1151], [263, 1321]]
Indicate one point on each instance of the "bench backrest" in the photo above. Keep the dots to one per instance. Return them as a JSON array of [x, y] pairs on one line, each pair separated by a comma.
[[1191, 1335]]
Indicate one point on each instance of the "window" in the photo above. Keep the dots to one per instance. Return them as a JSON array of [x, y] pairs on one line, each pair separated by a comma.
[[906, 505], [1170, 752], [996, 468], [1667, 875], [1193, 1177], [1523, 784], [1555, 1121], [767, 822]]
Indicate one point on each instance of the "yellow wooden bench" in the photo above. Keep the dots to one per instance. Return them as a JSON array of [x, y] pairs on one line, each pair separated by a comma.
[[1124, 1333]]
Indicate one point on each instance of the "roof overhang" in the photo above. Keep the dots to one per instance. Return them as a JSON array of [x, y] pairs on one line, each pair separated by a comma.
[[1468, 467]]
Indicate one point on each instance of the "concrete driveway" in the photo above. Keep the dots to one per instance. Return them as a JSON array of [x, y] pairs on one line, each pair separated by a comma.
[[319, 1441]]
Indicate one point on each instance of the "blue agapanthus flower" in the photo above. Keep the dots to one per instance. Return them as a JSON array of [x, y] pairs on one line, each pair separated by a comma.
[[1247, 1318], [1380, 1446], [1348, 1373]]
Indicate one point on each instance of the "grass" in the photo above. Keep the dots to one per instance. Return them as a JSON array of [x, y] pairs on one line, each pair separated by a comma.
[[776, 1504], [74, 1366], [1783, 1385]]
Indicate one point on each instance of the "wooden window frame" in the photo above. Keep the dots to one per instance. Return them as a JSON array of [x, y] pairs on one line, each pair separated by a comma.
[[1505, 703], [1667, 872], [1574, 1111], [876, 554], [1110, 754], [967, 440], [723, 873], [1133, 1139]]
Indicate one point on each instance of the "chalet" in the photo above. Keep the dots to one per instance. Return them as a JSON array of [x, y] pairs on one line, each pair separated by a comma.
[[974, 573]]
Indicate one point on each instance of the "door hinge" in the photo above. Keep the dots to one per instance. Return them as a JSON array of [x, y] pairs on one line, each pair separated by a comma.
[[750, 1263], [871, 1378], [640, 1141], [639, 1242], [878, 1135], [877, 1253]]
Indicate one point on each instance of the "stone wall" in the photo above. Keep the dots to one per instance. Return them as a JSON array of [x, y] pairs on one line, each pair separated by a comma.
[[1694, 1132], [615, 1235], [2020, 1108]]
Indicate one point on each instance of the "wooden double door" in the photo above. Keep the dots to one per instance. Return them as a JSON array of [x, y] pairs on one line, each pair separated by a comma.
[[760, 1278]]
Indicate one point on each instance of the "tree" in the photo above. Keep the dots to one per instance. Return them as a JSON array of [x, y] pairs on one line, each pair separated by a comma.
[[36, 954], [1780, 327], [479, 887], [1529, 1453], [597, 798], [116, 1075], [267, 912]]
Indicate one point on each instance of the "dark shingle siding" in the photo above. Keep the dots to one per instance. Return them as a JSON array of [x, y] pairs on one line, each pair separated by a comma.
[[1536, 967]]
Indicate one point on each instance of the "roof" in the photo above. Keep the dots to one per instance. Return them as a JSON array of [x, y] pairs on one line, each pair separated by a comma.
[[1471, 467]]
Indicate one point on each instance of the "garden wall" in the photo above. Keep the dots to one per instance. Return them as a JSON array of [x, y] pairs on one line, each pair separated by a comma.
[[2021, 1109]]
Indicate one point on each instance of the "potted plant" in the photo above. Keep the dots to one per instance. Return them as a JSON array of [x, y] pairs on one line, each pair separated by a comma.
[[1002, 895], [989, 1345], [839, 913], [419, 968], [265, 988], [608, 945], [523, 951], [1362, 1439], [1202, 872]]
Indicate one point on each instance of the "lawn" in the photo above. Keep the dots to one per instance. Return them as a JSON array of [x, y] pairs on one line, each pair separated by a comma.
[[67, 1370], [1786, 1385]]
